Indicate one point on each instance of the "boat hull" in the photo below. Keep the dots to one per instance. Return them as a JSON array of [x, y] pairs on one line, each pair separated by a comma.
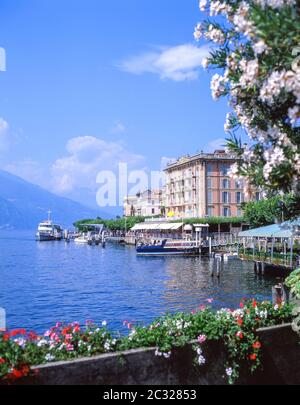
[[153, 251], [45, 238]]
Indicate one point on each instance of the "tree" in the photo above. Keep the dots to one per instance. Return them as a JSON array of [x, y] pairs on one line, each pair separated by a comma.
[[257, 57]]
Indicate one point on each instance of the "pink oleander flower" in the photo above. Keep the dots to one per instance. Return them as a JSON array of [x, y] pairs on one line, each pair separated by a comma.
[[202, 339], [69, 337], [202, 308], [70, 348], [210, 300], [193, 312]]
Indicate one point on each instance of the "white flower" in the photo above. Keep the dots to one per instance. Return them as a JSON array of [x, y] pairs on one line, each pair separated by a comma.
[[241, 21], [107, 346], [218, 7], [215, 34], [20, 342], [202, 5], [218, 86], [104, 323], [229, 371], [42, 342], [167, 355], [260, 47], [198, 32], [294, 114], [49, 357], [275, 3], [250, 71], [201, 360], [205, 63]]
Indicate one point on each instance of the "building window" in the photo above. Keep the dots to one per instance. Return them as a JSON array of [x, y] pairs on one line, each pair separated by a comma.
[[238, 184], [153, 211], [209, 197], [225, 184], [210, 211], [226, 212], [225, 197], [239, 197], [239, 212], [209, 183], [210, 170], [224, 170]]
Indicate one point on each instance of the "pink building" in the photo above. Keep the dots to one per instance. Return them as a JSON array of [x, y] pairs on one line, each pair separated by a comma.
[[200, 186]]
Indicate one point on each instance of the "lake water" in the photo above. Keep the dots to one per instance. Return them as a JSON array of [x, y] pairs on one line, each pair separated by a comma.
[[43, 283]]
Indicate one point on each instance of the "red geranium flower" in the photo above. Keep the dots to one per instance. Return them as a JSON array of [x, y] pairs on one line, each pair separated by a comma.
[[257, 345], [242, 305], [2, 361], [66, 330], [240, 335], [33, 336], [253, 357], [254, 304], [76, 329], [17, 373], [240, 321], [6, 337]]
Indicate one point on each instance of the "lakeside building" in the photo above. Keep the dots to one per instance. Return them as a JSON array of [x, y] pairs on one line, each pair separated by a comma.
[[146, 204], [200, 186]]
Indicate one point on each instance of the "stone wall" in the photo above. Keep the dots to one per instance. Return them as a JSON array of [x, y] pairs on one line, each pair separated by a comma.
[[142, 367]]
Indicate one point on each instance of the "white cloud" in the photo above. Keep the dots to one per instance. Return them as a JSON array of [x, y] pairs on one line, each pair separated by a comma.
[[176, 63], [4, 135], [219, 143], [87, 155]]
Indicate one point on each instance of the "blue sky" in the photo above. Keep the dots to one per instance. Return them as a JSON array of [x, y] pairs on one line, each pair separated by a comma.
[[91, 81]]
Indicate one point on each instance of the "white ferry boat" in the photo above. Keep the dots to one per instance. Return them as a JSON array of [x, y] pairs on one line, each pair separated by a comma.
[[48, 231]]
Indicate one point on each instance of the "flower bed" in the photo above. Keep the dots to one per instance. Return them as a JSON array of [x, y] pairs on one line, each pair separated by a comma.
[[19, 350]]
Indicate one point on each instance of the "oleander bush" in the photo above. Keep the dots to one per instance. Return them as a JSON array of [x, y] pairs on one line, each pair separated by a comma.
[[20, 350]]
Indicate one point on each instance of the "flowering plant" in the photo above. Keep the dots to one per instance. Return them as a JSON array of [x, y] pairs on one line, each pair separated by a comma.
[[19, 349], [293, 282], [256, 50], [236, 329]]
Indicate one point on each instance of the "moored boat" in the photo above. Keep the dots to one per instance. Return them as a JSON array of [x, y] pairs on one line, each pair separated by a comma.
[[48, 231], [168, 248]]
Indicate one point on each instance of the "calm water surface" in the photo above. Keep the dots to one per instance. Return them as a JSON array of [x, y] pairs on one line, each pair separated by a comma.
[[42, 283]]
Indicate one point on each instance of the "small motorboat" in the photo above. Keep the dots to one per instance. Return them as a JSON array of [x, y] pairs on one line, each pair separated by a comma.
[[167, 248]]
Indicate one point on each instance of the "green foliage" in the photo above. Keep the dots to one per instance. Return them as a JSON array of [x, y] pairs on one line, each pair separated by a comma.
[[212, 220], [293, 282], [118, 224], [267, 211]]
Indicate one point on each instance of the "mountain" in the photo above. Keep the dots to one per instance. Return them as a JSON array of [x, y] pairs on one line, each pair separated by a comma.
[[23, 205]]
